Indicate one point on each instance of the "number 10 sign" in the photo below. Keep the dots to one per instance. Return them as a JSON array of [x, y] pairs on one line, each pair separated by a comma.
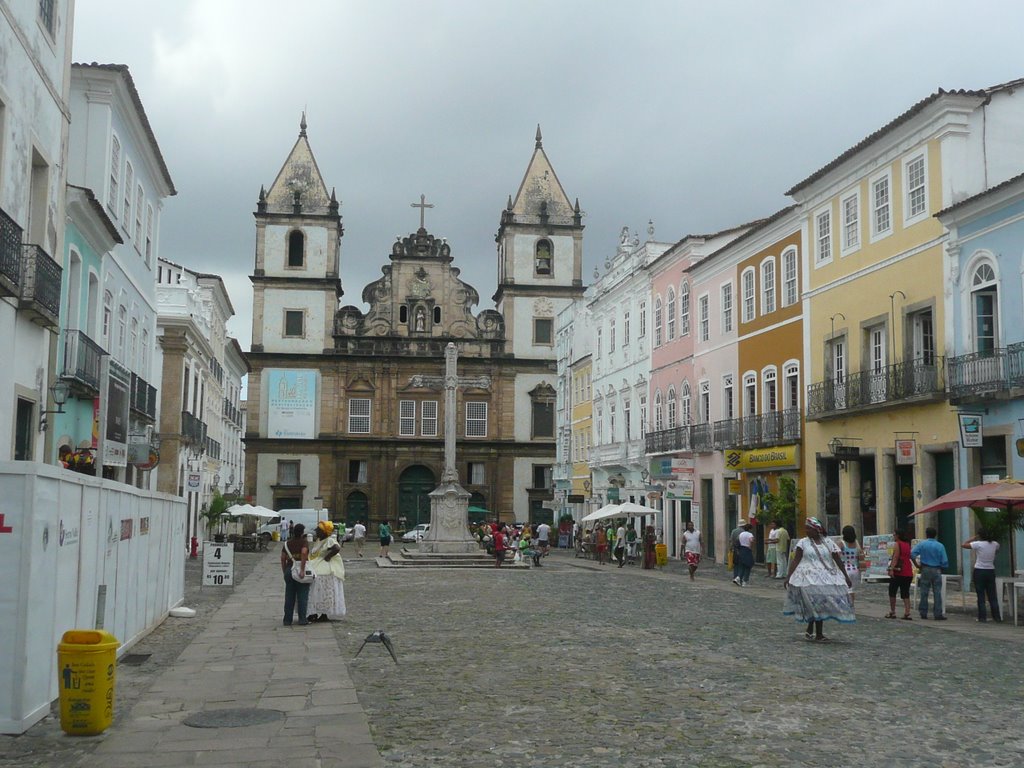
[[218, 564]]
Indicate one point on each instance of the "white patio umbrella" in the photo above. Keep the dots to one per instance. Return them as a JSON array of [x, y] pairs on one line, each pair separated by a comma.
[[608, 510], [630, 509], [248, 510]]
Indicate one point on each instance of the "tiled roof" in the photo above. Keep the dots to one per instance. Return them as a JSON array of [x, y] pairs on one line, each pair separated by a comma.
[[972, 198], [101, 213], [755, 227], [122, 69], [890, 126]]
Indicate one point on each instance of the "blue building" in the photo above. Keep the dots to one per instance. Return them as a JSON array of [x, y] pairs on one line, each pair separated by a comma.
[[985, 334]]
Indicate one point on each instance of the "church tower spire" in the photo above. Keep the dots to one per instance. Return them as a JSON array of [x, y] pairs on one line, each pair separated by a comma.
[[296, 285], [540, 256]]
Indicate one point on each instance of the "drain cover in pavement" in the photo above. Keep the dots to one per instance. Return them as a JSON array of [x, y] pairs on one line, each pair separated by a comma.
[[134, 659], [232, 718]]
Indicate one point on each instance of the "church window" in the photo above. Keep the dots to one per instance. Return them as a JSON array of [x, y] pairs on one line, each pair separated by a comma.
[[437, 315], [475, 473], [294, 323], [542, 476], [542, 260], [357, 471], [543, 418], [543, 330], [428, 418], [407, 417], [287, 472], [476, 419], [403, 314], [296, 249], [359, 415]]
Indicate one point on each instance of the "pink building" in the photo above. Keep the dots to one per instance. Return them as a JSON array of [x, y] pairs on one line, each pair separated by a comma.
[[674, 395]]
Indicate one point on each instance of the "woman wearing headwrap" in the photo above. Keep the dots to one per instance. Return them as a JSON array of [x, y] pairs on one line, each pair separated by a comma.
[[817, 585], [327, 594]]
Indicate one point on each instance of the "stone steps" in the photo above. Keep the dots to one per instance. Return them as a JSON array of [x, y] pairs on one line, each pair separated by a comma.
[[409, 558]]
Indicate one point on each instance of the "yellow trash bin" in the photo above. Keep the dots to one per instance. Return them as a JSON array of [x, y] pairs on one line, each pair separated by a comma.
[[86, 670], [661, 555], [276, 536]]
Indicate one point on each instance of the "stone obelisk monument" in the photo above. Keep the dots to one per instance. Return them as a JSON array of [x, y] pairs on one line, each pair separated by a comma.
[[449, 502]]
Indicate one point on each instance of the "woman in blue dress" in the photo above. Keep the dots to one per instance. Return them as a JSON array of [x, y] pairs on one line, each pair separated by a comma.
[[817, 585]]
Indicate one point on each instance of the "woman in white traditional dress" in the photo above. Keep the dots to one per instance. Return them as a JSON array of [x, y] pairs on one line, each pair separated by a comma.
[[327, 593], [817, 585]]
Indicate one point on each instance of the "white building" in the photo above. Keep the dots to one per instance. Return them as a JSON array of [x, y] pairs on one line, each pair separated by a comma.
[[621, 369], [114, 154], [200, 369], [35, 41], [574, 340]]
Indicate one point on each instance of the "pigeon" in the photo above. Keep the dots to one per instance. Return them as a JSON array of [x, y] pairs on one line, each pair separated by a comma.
[[380, 636]]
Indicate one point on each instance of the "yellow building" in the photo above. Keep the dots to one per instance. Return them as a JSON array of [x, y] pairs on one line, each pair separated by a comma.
[[582, 433], [880, 437]]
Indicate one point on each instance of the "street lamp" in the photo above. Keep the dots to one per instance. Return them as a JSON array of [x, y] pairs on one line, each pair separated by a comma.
[[59, 391]]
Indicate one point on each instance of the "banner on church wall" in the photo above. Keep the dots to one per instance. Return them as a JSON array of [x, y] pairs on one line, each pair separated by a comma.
[[291, 404]]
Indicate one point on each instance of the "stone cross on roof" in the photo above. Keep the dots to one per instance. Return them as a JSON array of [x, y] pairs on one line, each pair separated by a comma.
[[422, 205]]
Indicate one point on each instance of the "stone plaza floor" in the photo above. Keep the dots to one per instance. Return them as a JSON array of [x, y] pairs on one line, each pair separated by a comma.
[[571, 664]]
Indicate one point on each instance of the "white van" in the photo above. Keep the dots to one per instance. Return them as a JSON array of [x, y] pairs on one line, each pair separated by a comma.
[[308, 517]]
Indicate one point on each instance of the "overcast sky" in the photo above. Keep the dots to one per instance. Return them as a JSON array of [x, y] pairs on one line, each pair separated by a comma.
[[694, 115]]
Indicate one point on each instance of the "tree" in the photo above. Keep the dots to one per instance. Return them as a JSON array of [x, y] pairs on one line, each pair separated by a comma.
[[783, 505], [215, 513]]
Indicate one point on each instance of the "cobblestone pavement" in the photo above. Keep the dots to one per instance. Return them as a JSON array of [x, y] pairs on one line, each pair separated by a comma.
[[46, 745], [576, 664]]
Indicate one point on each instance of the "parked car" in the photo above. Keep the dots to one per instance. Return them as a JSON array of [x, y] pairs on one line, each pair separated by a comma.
[[417, 533]]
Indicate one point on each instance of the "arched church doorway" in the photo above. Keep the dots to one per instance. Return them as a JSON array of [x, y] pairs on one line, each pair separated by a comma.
[[357, 508], [414, 485]]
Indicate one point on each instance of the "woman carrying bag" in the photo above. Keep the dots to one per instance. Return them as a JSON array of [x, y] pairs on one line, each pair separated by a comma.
[[294, 561]]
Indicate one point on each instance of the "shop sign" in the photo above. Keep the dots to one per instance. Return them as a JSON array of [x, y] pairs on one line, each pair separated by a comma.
[[668, 467], [613, 494], [735, 487], [783, 457], [680, 490], [906, 452], [575, 498], [970, 429]]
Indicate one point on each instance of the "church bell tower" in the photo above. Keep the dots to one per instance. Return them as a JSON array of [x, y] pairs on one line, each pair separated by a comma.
[[296, 283], [540, 258]]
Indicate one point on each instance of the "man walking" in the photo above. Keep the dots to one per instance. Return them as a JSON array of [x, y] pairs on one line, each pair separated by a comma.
[[692, 548], [359, 537], [543, 536], [734, 549], [931, 558], [620, 544], [781, 550]]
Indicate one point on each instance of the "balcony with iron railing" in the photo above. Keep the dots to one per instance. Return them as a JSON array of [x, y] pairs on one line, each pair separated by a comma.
[[193, 431], [892, 385], [757, 431], [40, 287], [10, 256], [993, 373], [82, 361], [143, 398]]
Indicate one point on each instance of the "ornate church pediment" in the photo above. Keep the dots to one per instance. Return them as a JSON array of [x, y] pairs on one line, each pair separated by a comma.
[[359, 383], [543, 391], [421, 245]]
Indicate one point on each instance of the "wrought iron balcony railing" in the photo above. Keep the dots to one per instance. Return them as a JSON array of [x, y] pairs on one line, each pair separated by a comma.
[[193, 431], [771, 428], [911, 380], [40, 287], [10, 256], [143, 397], [667, 440], [977, 373], [82, 359], [702, 436]]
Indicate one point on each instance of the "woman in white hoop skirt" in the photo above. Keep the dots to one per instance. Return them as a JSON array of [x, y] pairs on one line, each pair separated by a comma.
[[327, 592]]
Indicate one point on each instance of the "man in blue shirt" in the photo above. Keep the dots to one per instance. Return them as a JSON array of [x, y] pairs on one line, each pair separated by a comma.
[[931, 558]]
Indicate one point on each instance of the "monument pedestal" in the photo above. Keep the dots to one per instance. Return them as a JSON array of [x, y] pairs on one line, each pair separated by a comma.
[[449, 522]]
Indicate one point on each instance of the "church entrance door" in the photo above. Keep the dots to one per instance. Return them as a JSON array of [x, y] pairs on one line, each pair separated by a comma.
[[414, 485]]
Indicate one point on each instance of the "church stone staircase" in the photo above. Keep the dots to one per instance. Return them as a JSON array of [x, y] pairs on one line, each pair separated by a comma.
[[408, 557]]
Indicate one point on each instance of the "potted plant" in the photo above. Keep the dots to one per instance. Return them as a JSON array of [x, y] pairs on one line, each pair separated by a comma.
[[214, 515], [783, 504]]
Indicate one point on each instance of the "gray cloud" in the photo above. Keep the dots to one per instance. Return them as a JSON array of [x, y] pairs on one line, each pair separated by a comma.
[[695, 115]]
